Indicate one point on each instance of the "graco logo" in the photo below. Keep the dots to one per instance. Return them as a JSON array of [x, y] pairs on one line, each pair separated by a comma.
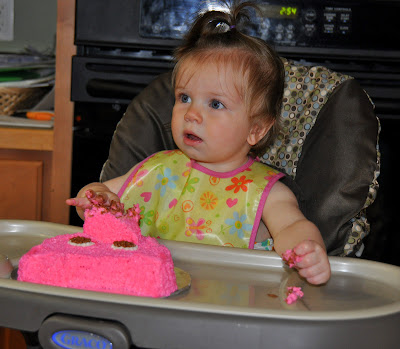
[[70, 339]]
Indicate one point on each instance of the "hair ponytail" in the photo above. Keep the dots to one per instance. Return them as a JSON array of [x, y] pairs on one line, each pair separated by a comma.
[[214, 27]]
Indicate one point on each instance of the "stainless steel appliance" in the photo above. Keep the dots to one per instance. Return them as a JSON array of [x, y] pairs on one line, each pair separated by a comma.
[[122, 45]]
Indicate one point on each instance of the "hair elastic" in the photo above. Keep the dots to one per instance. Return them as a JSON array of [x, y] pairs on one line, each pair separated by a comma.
[[232, 27]]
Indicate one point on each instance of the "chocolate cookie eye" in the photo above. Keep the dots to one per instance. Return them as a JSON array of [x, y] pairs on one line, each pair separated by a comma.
[[80, 241], [124, 245]]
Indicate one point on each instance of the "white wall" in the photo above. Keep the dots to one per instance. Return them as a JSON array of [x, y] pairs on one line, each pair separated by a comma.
[[34, 25]]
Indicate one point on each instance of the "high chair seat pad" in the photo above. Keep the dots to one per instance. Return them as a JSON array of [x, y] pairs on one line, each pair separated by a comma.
[[338, 163]]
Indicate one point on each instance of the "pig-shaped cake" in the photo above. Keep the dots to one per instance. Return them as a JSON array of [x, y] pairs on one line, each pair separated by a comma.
[[110, 255]]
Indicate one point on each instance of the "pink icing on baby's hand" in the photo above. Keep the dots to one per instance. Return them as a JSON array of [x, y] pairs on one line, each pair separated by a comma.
[[293, 294], [291, 258]]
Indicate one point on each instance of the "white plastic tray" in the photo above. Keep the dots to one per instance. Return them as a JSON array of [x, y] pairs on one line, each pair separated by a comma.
[[236, 300]]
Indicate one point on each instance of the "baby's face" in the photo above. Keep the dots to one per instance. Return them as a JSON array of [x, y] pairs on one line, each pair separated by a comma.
[[209, 119]]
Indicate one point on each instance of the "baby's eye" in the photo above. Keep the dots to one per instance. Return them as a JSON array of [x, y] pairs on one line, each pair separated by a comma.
[[184, 98], [216, 104]]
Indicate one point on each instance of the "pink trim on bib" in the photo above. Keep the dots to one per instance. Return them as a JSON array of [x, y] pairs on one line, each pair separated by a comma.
[[229, 174], [260, 209], [122, 190]]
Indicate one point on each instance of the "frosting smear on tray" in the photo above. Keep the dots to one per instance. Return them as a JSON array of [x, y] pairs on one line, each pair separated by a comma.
[[110, 255]]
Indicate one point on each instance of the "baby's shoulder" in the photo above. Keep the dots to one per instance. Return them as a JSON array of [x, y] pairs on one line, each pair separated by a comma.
[[281, 191]]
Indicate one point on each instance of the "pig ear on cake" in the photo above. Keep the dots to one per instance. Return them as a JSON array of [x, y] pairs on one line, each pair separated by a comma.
[[110, 222]]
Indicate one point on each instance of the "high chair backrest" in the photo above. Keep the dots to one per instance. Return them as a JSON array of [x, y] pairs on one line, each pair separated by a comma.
[[327, 147]]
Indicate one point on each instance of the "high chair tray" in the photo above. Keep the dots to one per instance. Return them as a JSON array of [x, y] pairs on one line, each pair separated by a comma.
[[236, 300]]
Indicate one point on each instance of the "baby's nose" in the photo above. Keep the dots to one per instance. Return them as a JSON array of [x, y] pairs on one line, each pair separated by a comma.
[[193, 114]]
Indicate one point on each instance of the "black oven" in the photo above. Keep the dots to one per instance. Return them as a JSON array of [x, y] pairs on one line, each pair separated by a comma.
[[123, 44]]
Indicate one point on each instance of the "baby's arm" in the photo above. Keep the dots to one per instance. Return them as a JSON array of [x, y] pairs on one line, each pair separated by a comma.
[[291, 230], [103, 192]]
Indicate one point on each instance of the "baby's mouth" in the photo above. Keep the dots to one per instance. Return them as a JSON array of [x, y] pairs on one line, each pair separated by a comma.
[[192, 137]]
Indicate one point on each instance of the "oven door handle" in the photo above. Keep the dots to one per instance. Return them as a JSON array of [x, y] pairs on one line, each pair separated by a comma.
[[113, 88]]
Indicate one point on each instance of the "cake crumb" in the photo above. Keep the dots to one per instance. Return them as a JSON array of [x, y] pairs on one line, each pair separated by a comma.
[[293, 294], [291, 258]]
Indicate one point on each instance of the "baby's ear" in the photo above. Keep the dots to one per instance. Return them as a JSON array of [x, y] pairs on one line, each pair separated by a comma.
[[257, 132]]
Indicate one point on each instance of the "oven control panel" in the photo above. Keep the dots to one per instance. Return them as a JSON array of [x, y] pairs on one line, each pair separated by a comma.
[[301, 25], [280, 24], [365, 25], [287, 23]]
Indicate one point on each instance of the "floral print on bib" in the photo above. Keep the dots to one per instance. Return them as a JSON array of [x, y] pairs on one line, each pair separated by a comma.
[[184, 201]]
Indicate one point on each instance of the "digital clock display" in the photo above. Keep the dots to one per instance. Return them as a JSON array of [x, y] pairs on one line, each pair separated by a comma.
[[288, 11], [277, 11]]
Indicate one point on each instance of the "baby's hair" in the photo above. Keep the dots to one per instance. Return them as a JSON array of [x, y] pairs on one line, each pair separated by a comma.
[[216, 36]]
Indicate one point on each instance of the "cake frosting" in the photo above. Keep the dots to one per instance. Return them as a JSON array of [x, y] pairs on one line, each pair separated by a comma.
[[293, 294], [291, 258], [110, 255]]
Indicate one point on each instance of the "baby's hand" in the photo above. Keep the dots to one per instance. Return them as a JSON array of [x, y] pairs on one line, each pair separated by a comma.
[[314, 263], [83, 203], [92, 198]]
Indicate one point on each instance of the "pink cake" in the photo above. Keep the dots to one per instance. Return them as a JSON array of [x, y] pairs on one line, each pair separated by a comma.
[[111, 255]]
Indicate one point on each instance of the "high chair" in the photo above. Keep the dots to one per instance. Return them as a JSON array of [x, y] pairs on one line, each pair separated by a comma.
[[328, 148]]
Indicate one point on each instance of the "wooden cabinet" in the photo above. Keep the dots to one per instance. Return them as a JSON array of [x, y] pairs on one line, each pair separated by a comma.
[[25, 173], [35, 164], [21, 181]]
